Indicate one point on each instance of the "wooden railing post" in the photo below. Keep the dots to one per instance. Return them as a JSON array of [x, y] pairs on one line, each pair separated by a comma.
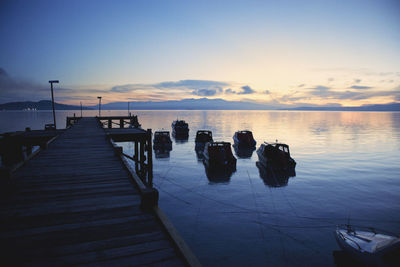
[[141, 160], [121, 123], [136, 156], [149, 159], [109, 123]]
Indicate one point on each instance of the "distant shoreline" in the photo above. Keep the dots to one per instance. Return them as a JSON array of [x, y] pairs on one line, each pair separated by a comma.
[[190, 104], [124, 110]]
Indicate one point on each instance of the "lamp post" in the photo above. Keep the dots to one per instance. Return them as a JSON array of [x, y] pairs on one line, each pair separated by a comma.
[[52, 101], [99, 97]]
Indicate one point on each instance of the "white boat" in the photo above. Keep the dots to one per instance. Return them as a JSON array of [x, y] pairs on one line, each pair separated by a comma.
[[369, 247]]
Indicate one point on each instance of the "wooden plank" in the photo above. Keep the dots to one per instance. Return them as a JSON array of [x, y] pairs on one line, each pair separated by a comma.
[[144, 259], [24, 222]]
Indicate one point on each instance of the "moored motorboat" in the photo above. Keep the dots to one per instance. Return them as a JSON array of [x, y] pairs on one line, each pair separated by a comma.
[[202, 137], [219, 154], [275, 156], [180, 128], [162, 140], [369, 247], [244, 139]]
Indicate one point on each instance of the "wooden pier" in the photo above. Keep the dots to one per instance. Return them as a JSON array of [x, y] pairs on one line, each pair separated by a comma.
[[78, 202]]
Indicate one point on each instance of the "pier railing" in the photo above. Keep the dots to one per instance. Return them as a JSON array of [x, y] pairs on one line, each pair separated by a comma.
[[119, 121], [16, 148], [140, 163], [142, 157]]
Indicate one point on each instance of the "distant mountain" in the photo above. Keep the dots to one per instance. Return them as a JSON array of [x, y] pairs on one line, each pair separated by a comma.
[[188, 104], [385, 107], [41, 105]]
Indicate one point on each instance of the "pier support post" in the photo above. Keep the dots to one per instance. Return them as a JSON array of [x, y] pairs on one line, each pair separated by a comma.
[[121, 123], [149, 198]]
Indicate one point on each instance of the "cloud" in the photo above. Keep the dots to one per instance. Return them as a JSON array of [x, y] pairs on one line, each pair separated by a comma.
[[290, 97], [183, 87], [192, 84], [267, 92], [327, 92], [358, 87], [244, 90], [320, 90], [125, 88], [357, 80], [301, 85], [331, 79], [205, 92], [21, 90]]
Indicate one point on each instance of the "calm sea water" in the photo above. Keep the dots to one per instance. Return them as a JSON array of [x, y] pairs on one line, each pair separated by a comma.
[[347, 170]]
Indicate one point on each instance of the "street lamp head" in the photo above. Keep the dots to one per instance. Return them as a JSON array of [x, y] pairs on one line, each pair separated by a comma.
[[99, 97], [54, 81]]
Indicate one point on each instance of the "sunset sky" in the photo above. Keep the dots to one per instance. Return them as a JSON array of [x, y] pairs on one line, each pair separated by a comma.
[[273, 52]]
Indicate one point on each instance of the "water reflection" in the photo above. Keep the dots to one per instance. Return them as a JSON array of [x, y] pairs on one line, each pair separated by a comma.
[[244, 152], [343, 259], [199, 148], [275, 178], [220, 174], [162, 153], [180, 139], [327, 144]]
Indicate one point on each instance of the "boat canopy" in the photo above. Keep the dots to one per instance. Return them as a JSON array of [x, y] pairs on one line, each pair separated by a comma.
[[180, 123], [203, 136], [282, 147], [161, 133], [220, 150], [244, 135]]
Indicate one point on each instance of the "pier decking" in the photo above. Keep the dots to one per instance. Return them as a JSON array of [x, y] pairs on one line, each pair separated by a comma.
[[74, 203]]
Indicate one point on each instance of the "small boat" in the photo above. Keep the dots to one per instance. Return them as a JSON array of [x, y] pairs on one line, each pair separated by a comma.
[[275, 156], [219, 154], [162, 140], [369, 247], [203, 136], [180, 128], [244, 139]]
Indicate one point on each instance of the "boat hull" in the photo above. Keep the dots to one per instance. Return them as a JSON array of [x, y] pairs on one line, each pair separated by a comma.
[[278, 162]]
